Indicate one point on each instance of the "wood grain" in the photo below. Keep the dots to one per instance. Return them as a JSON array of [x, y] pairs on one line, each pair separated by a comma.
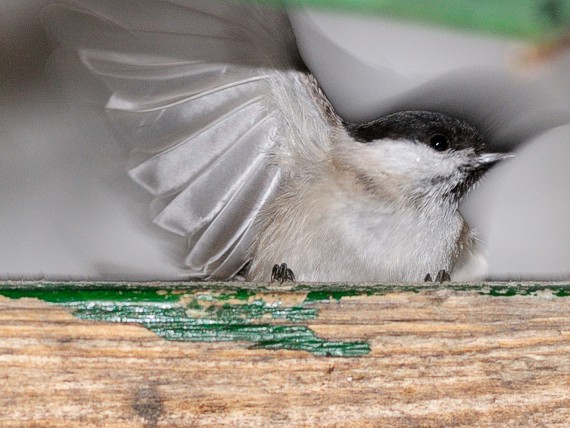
[[438, 358]]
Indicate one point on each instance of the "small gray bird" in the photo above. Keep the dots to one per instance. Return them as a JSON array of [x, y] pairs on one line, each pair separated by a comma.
[[246, 158]]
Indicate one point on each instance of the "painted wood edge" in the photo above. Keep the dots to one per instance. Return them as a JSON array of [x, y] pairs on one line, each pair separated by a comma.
[[516, 287]]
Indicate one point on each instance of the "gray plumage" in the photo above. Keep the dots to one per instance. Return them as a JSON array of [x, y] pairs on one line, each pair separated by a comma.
[[246, 158]]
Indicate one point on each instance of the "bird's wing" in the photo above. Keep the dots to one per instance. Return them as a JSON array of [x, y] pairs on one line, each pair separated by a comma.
[[193, 91]]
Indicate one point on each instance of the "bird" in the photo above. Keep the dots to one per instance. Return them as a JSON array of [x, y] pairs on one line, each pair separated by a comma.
[[247, 160]]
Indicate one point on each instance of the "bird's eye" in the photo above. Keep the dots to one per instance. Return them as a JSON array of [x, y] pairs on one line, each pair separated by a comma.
[[439, 142]]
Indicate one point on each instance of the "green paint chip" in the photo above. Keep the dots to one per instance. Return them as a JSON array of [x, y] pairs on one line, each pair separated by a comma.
[[562, 292], [324, 295], [511, 291], [67, 294]]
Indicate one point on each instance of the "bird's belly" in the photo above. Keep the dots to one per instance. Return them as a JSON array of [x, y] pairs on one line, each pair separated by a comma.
[[345, 251], [383, 260]]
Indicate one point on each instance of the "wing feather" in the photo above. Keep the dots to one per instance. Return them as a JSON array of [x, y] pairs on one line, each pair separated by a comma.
[[212, 30], [179, 164], [198, 203], [142, 84], [230, 262], [257, 184], [193, 93]]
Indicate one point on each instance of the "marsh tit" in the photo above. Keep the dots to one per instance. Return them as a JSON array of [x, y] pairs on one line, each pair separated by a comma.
[[246, 158]]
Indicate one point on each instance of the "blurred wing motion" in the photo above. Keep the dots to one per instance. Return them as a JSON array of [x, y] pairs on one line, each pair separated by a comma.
[[192, 92]]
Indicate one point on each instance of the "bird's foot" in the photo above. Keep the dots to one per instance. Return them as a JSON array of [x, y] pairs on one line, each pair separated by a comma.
[[442, 276], [282, 273]]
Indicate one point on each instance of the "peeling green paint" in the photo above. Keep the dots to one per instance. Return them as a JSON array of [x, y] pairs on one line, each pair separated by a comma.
[[199, 315], [562, 292], [69, 293], [268, 316], [506, 292], [325, 295], [526, 289]]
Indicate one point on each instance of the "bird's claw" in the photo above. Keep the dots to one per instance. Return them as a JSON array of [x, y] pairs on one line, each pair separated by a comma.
[[282, 273], [442, 276]]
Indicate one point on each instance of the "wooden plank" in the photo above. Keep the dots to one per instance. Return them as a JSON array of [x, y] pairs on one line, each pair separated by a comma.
[[462, 355]]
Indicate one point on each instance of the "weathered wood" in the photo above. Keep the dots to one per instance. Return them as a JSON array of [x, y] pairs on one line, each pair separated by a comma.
[[438, 357]]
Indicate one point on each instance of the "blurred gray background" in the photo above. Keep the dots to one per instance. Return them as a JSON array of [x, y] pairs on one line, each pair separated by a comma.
[[68, 210]]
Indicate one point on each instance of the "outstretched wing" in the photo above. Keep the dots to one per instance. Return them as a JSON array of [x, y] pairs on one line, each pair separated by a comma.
[[193, 91]]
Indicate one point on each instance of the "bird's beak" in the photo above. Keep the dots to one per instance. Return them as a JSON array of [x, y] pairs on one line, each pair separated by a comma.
[[487, 160]]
